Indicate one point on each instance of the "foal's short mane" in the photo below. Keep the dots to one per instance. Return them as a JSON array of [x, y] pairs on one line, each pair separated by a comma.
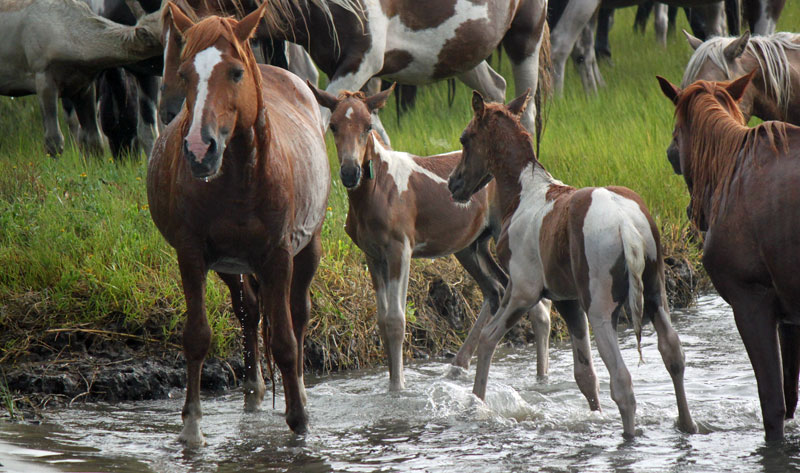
[[719, 141], [205, 34], [768, 51]]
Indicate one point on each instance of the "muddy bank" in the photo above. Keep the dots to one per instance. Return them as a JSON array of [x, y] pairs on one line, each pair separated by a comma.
[[89, 365]]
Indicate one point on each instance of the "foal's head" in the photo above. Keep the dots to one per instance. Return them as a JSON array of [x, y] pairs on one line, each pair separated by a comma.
[[494, 130], [351, 124], [222, 84]]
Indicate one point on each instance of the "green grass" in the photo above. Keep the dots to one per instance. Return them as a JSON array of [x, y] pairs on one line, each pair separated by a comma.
[[78, 247]]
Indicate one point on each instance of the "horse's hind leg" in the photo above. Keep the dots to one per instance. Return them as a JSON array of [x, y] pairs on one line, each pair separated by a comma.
[[601, 315], [485, 80], [790, 356], [47, 93], [275, 279], [245, 306], [196, 340], [669, 345], [522, 43], [756, 319], [578, 327], [540, 316], [305, 266], [89, 135], [147, 124]]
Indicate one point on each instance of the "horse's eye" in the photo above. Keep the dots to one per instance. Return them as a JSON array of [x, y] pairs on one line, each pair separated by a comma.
[[333, 128], [368, 129], [237, 74]]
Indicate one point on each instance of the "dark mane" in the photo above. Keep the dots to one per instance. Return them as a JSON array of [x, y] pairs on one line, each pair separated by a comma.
[[720, 141]]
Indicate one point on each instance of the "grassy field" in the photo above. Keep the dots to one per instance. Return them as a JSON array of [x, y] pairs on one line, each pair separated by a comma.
[[79, 251]]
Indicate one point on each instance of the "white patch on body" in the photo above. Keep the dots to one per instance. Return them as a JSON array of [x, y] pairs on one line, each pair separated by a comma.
[[166, 46], [348, 113], [204, 63], [525, 267], [402, 165]]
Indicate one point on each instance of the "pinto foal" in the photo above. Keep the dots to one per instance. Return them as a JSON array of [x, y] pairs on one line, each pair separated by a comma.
[[589, 250], [399, 208]]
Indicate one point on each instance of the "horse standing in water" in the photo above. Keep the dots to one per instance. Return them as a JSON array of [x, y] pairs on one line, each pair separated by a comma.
[[399, 208], [591, 250], [744, 186], [238, 183], [774, 93]]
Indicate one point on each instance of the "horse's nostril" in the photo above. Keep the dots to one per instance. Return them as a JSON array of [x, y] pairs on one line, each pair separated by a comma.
[[212, 146], [186, 146]]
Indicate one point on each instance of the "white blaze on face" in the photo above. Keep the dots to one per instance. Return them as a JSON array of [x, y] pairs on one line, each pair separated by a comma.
[[348, 113], [204, 63], [166, 46]]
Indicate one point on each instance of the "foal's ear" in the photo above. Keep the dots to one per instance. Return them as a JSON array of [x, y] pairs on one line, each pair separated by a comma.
[[694, 41], [737, 47], [326, 99], [518, 105], [179, 18], [669, 90], [378, 100], [247, 25], [477, 102], [737, 87]]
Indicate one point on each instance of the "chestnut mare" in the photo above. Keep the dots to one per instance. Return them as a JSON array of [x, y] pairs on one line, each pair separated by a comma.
[[743, 184], [238, 183], [415, 42], [399, 208], [591, 250], [775, 90]]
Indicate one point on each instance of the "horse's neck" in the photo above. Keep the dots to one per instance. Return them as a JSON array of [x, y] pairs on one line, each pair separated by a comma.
[[522, 179], [107, 43]]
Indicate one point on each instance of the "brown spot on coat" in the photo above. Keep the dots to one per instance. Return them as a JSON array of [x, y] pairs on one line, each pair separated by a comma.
[[394, 61]]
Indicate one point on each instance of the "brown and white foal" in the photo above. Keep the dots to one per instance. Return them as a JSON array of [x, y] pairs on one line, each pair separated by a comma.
[[400, 208], [589, 250]]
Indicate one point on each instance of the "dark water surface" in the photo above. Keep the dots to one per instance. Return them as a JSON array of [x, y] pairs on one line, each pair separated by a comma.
[[437, 425]]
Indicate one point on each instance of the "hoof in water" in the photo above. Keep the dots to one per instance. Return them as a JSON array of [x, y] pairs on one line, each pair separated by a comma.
[[298, 422], [456, 372], [191, 436]]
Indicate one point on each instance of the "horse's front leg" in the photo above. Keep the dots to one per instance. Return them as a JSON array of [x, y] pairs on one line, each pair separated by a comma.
[[305, 266], [47, 93], [583, 368], [485, 80], [196, 340], [275, 280], [89, 136], [147, 127], [517, 300], [245, 306]]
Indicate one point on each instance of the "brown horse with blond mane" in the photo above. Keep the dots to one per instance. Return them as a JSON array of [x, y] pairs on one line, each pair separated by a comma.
[[238, 184], [745, 193], [591, 251]]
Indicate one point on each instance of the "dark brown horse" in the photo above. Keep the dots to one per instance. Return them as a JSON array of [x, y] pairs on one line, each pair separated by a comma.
[[591, 251], [238, 184], [399, 208], [745, 193]]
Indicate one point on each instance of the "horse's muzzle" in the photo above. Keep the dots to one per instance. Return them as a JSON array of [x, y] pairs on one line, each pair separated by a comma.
[[456, 186], [207, 165], [351, 176], [674, 157]]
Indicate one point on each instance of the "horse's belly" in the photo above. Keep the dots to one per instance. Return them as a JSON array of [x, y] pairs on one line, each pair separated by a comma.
[[416, 54], [232, 265]]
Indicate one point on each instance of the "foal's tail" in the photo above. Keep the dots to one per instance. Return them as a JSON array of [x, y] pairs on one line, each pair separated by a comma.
[[633, 248]]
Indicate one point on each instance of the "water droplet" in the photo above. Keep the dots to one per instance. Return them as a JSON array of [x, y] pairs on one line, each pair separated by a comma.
[[205, 179]]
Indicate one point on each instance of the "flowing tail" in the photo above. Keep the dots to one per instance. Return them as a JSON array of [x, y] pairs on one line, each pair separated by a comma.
[[633, 248]]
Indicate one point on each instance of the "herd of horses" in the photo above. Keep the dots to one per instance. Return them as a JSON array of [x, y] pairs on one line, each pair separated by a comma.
[[238, 181]]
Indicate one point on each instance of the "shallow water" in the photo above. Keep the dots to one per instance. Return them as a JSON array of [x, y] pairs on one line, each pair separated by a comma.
[[437, 425]]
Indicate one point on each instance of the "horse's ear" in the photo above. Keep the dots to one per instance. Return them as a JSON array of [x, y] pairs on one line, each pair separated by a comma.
[[737, 47], [247, 25], [518, 105], [694, 41], [737, 87], [378, 100], [669, 90], [179, 19], [477, 102], [326, 99]]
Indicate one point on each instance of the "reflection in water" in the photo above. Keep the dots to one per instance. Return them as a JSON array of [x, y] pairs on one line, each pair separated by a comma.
[[438, 425]]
